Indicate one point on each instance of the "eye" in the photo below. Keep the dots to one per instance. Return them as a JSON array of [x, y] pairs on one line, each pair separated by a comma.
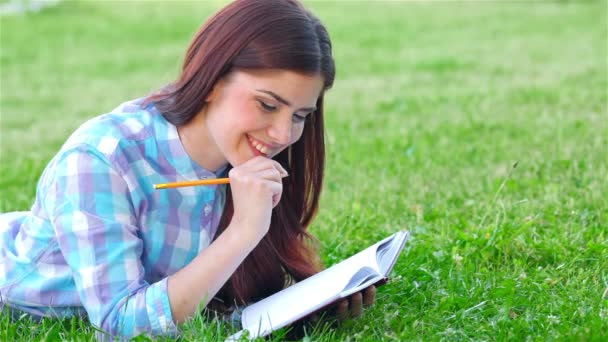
[[298, 118], [267, 107]]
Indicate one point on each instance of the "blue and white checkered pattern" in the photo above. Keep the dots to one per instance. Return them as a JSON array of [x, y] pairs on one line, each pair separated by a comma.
[[99, 238]]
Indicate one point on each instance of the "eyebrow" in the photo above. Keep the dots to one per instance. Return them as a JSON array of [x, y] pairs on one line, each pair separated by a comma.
[[283, 101]]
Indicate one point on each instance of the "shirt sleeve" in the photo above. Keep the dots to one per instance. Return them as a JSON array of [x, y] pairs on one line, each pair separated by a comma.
[[95, 223]]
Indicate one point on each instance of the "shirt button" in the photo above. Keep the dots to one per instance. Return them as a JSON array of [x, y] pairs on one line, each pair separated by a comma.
[[207, 209]]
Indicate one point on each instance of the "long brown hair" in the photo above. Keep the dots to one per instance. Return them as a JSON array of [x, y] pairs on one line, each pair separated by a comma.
[[263, 34]]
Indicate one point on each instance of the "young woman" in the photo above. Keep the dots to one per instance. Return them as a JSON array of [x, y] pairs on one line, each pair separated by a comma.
[[100, 241]]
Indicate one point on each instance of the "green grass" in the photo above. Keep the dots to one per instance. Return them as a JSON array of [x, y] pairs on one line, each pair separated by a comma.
[[433, 106]]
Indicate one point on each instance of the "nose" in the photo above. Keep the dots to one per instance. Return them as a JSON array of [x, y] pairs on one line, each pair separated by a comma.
[[280, 130]]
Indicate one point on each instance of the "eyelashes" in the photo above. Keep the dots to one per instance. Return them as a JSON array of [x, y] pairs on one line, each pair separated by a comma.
[[268, 108], [298, 118]]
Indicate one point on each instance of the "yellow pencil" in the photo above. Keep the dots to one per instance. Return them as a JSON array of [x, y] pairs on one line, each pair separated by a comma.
[[213, 181]]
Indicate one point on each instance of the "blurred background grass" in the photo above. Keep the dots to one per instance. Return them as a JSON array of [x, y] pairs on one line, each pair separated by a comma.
[[433, 104]]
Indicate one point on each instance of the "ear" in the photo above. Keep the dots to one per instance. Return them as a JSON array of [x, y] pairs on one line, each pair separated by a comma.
[[215, 91], [212, 94]]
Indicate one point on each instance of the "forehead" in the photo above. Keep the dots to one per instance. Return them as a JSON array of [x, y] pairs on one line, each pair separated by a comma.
[[296, 87]]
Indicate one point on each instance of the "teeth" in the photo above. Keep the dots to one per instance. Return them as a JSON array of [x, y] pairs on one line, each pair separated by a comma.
[[263, 149]]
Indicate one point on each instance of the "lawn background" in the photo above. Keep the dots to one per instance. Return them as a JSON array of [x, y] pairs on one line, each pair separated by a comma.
[[479, 126]]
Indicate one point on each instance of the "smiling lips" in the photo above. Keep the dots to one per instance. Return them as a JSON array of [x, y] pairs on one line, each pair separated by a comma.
[[259, 146]]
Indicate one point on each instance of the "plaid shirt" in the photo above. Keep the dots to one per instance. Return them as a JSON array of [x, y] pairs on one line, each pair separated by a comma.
[[100, 240]]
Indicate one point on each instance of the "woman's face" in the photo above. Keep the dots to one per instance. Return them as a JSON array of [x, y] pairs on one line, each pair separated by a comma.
[[252, 113]]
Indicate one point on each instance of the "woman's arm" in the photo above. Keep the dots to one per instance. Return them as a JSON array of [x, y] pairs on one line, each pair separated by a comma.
[[256, 187], [89, 205], [196, 284], [95, 226]]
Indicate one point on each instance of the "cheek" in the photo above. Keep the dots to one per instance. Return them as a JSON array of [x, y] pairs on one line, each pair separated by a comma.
[[296, 133], [237, 117]]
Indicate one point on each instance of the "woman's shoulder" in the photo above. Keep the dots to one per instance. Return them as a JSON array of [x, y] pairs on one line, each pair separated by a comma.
[[130, 120], [129, 123]]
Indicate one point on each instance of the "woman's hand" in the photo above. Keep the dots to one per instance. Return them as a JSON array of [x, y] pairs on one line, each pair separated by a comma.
[[352, 306], [256, 187]]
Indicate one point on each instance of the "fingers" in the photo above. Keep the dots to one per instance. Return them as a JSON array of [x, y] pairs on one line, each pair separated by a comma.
[[353, 306], [277, 166], [342, 310], [369, 296], [356, 304], [261, 163], [270, 174], [315, 318], [259, 169], [282, 171], [277, 191]]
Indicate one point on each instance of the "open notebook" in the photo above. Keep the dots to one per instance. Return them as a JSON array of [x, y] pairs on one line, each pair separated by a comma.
[[368, 267]]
